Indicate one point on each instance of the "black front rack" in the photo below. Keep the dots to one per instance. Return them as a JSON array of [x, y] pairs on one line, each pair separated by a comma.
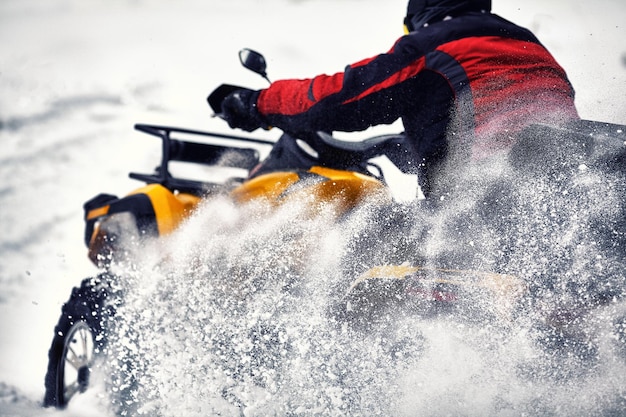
[[233, 155]]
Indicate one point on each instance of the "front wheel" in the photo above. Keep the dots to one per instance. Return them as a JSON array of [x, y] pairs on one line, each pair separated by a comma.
[[78, 338]]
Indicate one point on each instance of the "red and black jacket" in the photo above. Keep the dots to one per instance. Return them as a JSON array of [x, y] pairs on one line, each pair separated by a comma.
[[493, 75]]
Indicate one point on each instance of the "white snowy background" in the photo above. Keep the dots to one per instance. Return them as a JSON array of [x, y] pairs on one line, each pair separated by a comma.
[[75, 75]]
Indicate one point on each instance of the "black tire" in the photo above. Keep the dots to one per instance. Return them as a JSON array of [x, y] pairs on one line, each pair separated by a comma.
[[78, 337]]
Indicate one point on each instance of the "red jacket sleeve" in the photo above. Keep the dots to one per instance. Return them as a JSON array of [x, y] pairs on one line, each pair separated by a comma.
[[351, 100]]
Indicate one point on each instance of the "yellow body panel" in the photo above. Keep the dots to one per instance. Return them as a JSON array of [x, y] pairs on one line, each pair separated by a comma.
[[346, 189], [170, 209], [268, 186], [506, 289], [489, 280], [97, 212]]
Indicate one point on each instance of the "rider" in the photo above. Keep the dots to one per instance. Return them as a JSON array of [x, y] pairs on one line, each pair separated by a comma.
[[461, 78]]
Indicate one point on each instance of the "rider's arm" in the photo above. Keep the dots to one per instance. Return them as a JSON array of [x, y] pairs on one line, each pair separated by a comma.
[[373, 91]]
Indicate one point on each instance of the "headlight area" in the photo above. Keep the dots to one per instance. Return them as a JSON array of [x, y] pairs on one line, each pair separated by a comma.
[[114, 238]]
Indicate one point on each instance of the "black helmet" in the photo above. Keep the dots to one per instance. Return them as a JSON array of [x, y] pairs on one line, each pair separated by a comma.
[[422, 12]]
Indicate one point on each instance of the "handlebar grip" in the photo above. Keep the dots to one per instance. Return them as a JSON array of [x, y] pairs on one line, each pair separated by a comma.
[[218, 95]]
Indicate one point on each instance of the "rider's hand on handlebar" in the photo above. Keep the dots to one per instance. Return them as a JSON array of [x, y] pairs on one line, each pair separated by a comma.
[[239, 109]]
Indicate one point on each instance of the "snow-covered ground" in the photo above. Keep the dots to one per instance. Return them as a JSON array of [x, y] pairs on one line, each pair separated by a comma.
[[76, 75]]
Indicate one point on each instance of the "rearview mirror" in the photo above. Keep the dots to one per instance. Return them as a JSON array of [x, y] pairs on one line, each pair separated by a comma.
[[254, 61]]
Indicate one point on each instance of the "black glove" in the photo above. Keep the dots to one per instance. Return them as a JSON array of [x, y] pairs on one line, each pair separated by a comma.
[[240, 111]]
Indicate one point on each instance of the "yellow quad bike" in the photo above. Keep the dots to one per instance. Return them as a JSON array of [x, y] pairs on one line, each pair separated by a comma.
[[315, 164]]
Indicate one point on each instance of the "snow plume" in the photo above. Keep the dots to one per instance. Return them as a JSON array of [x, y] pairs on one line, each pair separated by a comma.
[[237, 320], [556, 220]]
